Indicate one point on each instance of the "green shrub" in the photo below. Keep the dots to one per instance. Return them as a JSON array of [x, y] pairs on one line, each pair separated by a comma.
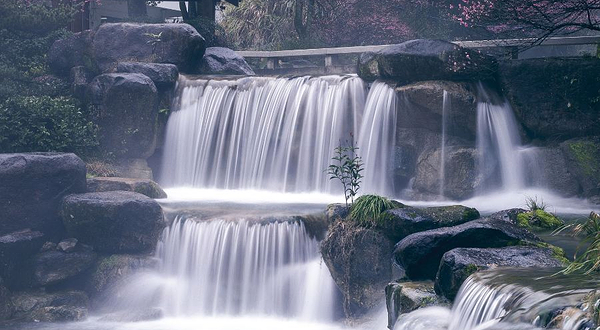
[[33, 123], [539, 219], [369, 210], [347, 167]]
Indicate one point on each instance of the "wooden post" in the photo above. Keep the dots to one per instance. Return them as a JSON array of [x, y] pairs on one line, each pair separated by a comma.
[[271, 63], [514, 53], [328, 60]]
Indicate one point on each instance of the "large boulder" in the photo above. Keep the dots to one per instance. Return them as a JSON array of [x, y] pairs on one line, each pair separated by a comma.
[[583, 161], [15, 250], [112, 270], [461, 177], [164, 76], [359, 260], [6, 305], [550, 169], [423, 107], [31, 187], [114, 221], [126, 109], [403, 221], [142, 186], [75, 50], [178, 44], [220, 60], [420, 253], [422, 60], [569, 109], [54, 267], [405, 297], [50, 307], [458, 264]]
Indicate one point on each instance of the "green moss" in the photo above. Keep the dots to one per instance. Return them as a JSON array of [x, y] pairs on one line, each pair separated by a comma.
[[538, 219], [587, 155], [557, 252], [470, 269]]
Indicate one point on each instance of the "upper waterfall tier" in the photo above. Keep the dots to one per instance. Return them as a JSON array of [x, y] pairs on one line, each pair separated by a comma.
[[277, 133]]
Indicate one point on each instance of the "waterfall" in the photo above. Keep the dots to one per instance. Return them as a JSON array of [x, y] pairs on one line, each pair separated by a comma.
[[276, 133], [508, 299], [445, 113], [235, 268], [504, 162]]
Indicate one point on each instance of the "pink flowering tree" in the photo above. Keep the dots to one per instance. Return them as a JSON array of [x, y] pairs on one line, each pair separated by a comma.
[[539, 18]]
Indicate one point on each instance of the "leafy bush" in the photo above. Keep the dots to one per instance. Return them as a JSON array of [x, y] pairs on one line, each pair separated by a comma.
[[347, 167], [368, 210], [589, 261], [33, 123]]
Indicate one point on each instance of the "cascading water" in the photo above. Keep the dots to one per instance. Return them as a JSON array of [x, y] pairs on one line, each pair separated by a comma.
[[445, 113], [235, 268], [512, 299], [277, 134]]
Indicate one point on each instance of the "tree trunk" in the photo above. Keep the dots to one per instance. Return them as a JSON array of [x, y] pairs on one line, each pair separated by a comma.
[[183, 9]]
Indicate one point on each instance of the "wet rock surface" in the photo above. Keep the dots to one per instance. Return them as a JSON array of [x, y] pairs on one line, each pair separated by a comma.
[[141, 186], [220, 60], [114, 222]]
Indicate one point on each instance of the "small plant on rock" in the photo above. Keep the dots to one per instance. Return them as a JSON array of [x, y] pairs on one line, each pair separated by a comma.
[[347, 167], [537, 216], [370, 210]]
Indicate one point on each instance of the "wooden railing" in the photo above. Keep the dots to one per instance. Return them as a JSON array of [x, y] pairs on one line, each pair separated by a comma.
[[513, 45]]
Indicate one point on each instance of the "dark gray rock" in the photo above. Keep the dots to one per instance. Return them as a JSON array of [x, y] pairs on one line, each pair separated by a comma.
[[569, 110], [67, 245], [49, 307], [407, 220], [420, 253], [6, 305], [126, 109], [422, 106], [141, 186], [509, 215], [164, 76], [219, 60], [461, 176], [48, 246], [178, 44], [583, 161], [336, 211], [458, 264], [15, 250], [54, 267], [132, 168], [422, 60], [316, 224], [108, 272], [405, 297], [550, 169], [58, 314], [31, 187], [73, 51], [115, 221], [359, 260], [80, 77]]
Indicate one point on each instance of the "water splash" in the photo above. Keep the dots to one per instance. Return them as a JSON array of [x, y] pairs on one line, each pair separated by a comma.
[[277, 134]]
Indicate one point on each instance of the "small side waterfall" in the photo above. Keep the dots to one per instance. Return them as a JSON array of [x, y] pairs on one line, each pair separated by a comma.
[[235, 268], [446, 106], [277, 134], [512, 299]]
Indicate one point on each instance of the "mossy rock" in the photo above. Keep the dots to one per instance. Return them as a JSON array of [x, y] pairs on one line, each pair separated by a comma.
[[583, 160], [140, 186], [539, 219]]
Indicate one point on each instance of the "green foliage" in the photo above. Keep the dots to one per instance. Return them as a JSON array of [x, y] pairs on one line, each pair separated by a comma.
[[347, 167], [369, 210], [589, 261], [539, 219], [33, 123], [34, 17]]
